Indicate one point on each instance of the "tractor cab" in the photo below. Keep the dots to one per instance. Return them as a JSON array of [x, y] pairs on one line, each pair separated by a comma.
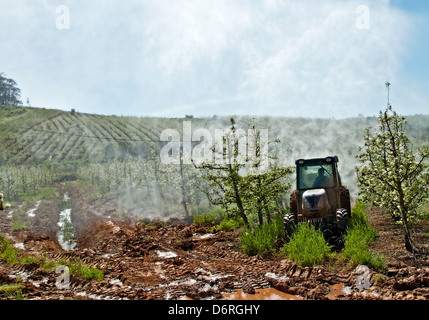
[[320, 198], [317, 173]]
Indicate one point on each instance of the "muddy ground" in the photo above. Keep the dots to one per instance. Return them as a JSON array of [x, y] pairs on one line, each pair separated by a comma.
[[181, 261]]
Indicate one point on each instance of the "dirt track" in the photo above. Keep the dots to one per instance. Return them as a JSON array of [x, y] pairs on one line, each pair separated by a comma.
[[186, 262]]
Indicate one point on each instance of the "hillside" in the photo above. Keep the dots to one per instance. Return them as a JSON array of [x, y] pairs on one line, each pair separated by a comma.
[[121, 155], [87, 191], [35, 135], [32, 135]]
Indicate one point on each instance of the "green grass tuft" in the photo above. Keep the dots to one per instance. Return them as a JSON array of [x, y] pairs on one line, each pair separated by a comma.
[[307, 247], [263, 239], [357, 239], [229, 224], [211, 217], [12, 291], [77, 267], [8, 253]]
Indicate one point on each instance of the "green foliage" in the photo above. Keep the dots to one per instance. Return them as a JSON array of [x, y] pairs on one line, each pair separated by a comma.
[[210, 217], [67, 230], [307, 247], [229, 224], [91, 273], [391, 173], [359, 221], [423, 210], [217, 218], [27, 182], [244, 187], [12, 291], [41, 193], [20, 219], [8, 253], [264, 239], [119, 156], [9, 91], [359, 235], [356, 249], [76, 266], [19, 225]]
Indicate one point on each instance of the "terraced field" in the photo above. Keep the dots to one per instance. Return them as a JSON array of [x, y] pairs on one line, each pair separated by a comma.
[[120, 155], [38, 135], [110, 168]]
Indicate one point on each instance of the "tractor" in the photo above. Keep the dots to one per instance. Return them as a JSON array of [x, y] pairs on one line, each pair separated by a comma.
[[319, 199]]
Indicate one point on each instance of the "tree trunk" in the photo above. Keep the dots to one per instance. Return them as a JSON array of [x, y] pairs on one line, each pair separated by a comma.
[[267, 212], [404, 215], [408, 243], [183, 192], [260, 218], [240, 206]]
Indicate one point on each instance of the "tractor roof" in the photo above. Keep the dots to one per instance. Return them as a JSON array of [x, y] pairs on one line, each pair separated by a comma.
[[329, 159]]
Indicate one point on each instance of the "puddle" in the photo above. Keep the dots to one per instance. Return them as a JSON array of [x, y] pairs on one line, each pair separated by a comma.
[[19, 245], [39, 282], [276, 277], [66, 197], [166, 254], [210, 277], [338, 289], [19, 275], [184, 282], [261, 294], [116, 282], [31, 212], [203, 236], [110, 255], [98, 296], [65, 234]]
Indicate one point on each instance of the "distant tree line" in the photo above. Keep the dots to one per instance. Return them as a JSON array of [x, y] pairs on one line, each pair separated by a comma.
[[9, 92]]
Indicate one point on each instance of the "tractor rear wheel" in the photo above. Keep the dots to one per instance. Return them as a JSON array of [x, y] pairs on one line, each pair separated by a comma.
[[345, 200], [291, 219]]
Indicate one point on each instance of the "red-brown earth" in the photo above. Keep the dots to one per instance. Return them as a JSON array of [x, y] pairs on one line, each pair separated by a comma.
[[159, 261]]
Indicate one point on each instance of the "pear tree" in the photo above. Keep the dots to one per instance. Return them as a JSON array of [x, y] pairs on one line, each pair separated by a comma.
[[392, 174]]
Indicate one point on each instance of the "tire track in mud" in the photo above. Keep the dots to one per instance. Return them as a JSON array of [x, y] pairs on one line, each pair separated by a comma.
[[253, 273], [208, 270], [161, 262]]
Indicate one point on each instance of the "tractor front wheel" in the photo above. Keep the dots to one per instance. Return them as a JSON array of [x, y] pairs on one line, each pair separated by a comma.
[[342, 221], [289, 224]]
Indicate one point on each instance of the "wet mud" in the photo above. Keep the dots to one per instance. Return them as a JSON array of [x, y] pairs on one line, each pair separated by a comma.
[[182, 261]]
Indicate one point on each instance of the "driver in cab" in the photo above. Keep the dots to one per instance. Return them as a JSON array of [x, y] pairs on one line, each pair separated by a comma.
[[321, 180]]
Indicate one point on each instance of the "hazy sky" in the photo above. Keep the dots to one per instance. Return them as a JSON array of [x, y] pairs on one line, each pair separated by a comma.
[[170, 58]]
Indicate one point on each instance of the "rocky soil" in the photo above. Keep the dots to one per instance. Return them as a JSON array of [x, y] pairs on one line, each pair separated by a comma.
[[156, 261]]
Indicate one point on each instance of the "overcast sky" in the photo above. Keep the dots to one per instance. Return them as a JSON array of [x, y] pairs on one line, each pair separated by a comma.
[[170, 58]]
